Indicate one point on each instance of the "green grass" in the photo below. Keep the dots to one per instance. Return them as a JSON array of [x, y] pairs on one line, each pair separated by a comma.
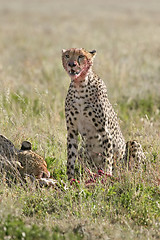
[[32, 93], [15, 228]]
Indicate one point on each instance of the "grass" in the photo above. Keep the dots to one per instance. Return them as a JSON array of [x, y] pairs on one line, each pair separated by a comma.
[[33, 88]]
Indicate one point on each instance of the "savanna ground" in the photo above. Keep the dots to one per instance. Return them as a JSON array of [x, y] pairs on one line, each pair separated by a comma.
[[33, 86]]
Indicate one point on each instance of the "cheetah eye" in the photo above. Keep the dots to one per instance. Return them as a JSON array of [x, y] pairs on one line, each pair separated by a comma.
[[67, 56], [81, 56]]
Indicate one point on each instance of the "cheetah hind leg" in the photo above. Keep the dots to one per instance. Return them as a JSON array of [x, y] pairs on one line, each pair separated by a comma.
[[134, 156]]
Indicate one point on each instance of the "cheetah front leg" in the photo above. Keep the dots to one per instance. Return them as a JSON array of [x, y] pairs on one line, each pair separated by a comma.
[[108, 152], [72, 147]]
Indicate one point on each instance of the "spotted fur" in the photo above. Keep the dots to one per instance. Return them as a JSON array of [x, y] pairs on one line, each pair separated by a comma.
[[21, 162], [89, 112]]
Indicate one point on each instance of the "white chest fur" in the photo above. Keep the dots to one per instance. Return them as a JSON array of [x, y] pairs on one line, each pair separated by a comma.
[[84, 122]]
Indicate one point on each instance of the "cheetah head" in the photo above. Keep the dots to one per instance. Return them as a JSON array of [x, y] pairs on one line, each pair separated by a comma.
[[31, 163], [77, 62]]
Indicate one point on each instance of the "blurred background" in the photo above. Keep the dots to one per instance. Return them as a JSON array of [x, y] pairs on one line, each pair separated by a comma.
[[125, 34]]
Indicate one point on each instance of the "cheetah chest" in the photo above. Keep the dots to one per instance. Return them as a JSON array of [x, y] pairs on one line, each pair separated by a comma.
[[84, 123], [86, 126]]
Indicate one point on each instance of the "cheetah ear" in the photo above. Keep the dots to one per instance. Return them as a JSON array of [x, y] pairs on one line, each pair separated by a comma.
[[93, 52], [26, 146], [63, 51]]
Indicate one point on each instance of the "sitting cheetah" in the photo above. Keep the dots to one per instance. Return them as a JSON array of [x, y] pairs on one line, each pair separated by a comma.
[[20, 163], [89, 112]]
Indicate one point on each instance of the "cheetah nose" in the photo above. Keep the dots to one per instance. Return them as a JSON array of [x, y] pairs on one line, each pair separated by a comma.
[[72, 64]]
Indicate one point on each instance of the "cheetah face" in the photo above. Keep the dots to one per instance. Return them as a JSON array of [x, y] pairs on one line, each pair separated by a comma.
[[77, 62]]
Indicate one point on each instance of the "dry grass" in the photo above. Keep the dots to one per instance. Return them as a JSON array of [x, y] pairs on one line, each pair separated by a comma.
[[33, 88]]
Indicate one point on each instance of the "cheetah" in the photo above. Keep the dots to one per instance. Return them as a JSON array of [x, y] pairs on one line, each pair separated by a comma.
[[23, 162], [89, 112]]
